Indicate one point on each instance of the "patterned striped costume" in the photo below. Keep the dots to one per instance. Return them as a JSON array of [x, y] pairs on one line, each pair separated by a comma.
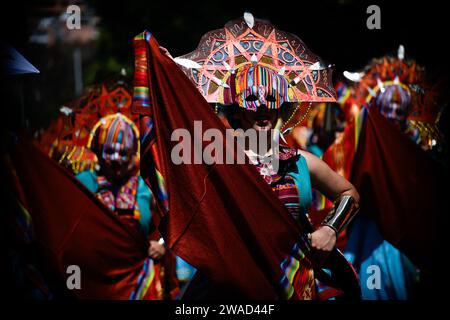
[[292, 186]]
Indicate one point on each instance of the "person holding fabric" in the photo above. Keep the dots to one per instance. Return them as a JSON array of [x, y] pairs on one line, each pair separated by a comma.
[[254, 93], [118, 185], [394, 91], [299, 170]]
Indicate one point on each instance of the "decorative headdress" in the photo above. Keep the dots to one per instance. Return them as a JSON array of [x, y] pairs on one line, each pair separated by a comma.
[[66, 139], [76, 158], [113, 137], [396, 79], [249, 47], [109, 97]]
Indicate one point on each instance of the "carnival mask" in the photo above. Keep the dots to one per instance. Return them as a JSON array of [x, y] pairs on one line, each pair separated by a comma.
[[115, 139], [257, 86], [393, 102]]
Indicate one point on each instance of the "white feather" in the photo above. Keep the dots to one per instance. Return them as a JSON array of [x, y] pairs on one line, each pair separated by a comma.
[[254, 59], [396, 80], [249, 19], [353, 76], [314, 66], [190, 64], [288, 130], [229, 69], [296, 80], [401, 52], [317, 66], [380, 85], [219, 82], [371, 92], [65, 110]]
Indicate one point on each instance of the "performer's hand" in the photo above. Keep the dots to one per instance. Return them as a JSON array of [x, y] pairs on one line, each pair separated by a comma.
[[156, 250], [323, 239]]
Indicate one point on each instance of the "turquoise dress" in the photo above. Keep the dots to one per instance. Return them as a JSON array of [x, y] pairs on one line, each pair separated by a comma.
[[372, 256], [302, 181]]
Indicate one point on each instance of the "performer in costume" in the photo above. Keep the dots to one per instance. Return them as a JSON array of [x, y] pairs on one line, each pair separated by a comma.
[[394, 86], [69, 140], [298, 172], [57, 218], [257, 74], [399, 89], [115, 141]]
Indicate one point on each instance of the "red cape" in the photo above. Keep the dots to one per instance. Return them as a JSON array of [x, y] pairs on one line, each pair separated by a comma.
[[402, 188], [72, 227]]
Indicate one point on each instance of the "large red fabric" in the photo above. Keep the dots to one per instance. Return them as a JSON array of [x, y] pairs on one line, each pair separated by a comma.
[[223, 219], [72, 227], [402, 188]]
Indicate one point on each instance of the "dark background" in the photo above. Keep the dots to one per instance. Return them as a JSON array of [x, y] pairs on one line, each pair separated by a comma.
[[335, 30]]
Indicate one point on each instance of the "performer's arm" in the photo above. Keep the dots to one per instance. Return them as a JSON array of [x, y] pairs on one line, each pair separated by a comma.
[[331, 184], [336, 188]]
